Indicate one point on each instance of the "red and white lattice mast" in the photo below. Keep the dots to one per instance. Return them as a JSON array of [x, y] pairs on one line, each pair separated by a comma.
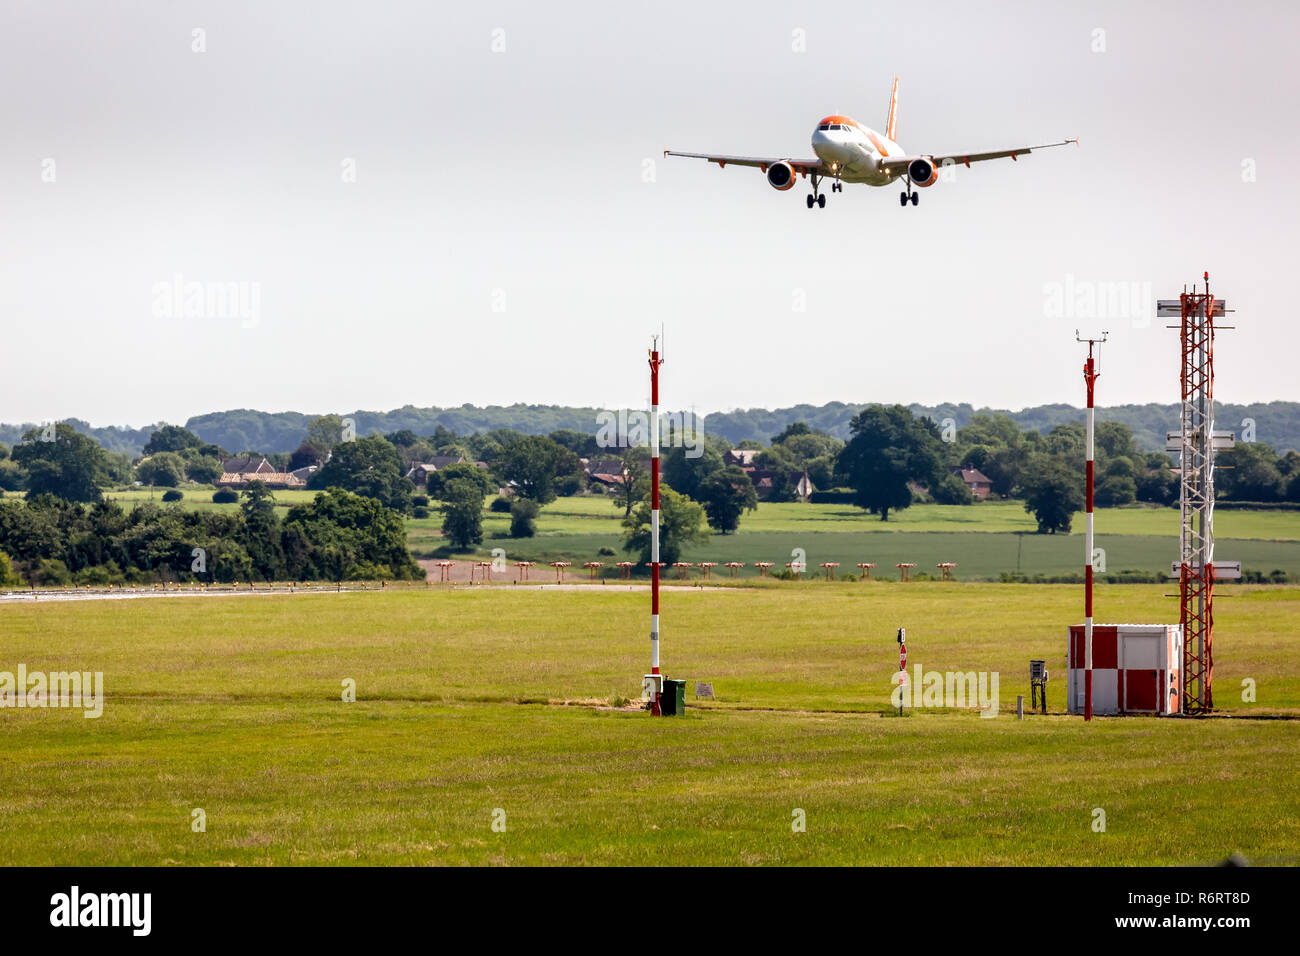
[[654, 679], [1091, 371], [1196, 441]]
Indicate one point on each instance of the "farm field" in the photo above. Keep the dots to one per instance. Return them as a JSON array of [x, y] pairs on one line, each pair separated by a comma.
[[978, 556], [589, 514], [986, 540], [471, 700], [200, 498]]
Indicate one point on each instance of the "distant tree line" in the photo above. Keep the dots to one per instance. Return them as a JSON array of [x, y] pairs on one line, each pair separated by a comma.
[[338, 536], [891, 459], [1277, 423]]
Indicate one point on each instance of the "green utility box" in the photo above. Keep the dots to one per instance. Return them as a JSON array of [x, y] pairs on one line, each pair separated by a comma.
[[672, 702]]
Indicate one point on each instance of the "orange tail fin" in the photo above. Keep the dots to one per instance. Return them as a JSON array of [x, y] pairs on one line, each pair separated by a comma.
[[893, 111]]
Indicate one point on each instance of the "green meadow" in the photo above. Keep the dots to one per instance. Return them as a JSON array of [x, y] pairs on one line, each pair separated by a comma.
[[984, 539], [505, 704]]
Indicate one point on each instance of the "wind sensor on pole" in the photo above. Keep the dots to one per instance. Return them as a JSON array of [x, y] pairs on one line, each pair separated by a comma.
[[1091, 371]]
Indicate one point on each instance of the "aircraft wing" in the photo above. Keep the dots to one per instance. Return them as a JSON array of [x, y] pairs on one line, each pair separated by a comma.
[[899, 164], [762, 162]]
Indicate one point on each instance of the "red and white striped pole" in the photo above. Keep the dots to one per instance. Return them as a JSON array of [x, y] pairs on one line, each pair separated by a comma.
[[655, 362], [1090, 375]]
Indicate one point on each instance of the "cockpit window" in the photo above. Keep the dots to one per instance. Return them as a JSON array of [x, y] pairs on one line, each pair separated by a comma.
[[824, 126]]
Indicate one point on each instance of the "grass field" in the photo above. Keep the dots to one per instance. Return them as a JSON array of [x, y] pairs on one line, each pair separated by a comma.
[[595, 515], [233, 705], [985, 540], [200, 499]]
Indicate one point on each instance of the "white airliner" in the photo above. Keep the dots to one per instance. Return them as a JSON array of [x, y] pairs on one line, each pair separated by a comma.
[[848, 152]]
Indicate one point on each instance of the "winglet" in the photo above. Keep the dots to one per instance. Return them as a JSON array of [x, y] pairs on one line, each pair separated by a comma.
[[893, 111]]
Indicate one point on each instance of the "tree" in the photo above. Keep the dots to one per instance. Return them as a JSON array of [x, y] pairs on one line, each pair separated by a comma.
[[165, 469], [786, 473], [462, 514], [582, 444], [1115, 490], [1067, 439], [462, 471], [995, 431], [1115, 440], [9, 578], [11, 475], [402, 438], [1248, 472], [323, 433], [1053, 493], [205, 469], [369, 467], [171, 438], [725, 495], [635, 480], [344, 536], [889, 449], [303, 457], [442, 436], [530, 463], [1004, 466], [523, 518], [258, 500], [685, 474], [64, 463], [791, 430], [261, 538], [808, 447], [681, 523], [1157, 481], [1117, 484], [949, 489]]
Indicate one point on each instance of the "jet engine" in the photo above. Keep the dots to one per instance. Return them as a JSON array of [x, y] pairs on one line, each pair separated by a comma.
[[780, 175], [922, 172]]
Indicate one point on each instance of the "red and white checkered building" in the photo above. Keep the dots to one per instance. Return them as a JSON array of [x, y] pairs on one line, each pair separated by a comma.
[[1136, 669]]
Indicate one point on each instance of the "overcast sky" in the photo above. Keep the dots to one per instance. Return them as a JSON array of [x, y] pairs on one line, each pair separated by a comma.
[[437, 203]]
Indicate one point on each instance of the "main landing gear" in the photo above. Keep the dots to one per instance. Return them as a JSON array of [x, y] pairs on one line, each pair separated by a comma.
[[816, 197], [911, 195]]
